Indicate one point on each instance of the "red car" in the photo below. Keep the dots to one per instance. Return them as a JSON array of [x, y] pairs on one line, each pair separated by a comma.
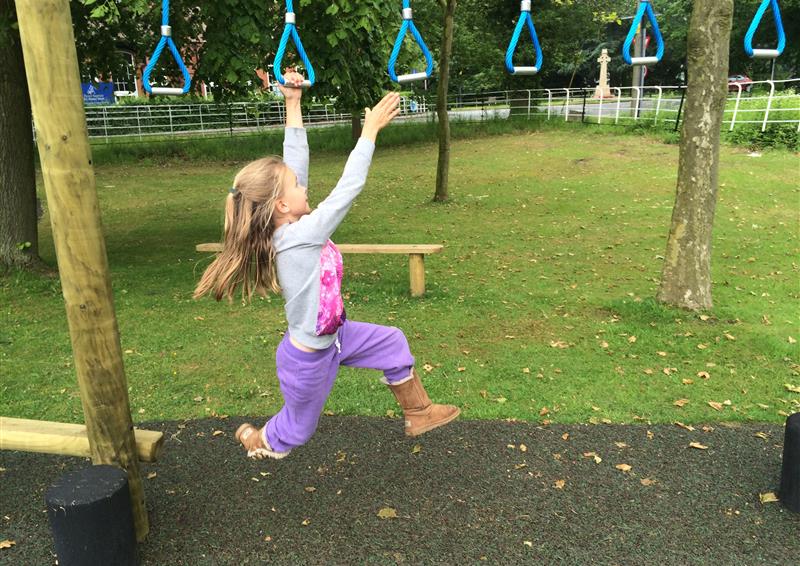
[[744, 80]]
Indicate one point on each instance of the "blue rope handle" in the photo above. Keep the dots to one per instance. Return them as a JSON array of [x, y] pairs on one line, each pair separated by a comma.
[[524, 19], [290, 29], [644, 7], [748, 37], [408, 24], [166, 40]]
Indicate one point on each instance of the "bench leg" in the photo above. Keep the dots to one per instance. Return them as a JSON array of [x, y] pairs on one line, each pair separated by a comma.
[[416, 269]]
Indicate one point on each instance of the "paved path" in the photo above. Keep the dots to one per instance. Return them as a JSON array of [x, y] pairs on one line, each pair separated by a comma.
[[464, 494]]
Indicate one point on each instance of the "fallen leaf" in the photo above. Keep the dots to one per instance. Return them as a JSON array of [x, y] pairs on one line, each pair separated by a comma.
[[687, 381], [730, 336], [681, 402], [526, 370], [714, 405], [527, 543], [597, 458], [762, 435], [621, 445], [704, 317], [428, 368], [387, 513], [604, 344], [417, 448], [151, 475], [310, 489], [792, 340], [698, 446], [217, 433], [523, 448], [792, 388], [768, 497], [687, 427], [558, 344], [662, 354], [306, 522], [462, 368], [623, 467], [565, 436], [650, 435], [7, 543], [631, 339], [703, 374], [544, 411], [702, 346], [520, 466], [501, 400], [647, 482], [559, 484], [648, 371]]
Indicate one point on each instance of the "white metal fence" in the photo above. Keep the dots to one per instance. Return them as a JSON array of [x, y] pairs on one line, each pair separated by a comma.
[[763, 103]]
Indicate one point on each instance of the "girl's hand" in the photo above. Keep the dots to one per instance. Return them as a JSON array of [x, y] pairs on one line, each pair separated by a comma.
[[379, 116], [291, 90]]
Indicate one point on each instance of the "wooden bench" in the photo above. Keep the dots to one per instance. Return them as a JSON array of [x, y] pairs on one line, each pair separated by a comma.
[[67, 439], [416, 257]]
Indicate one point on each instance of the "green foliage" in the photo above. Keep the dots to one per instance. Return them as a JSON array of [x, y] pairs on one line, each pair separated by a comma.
[[782, 136]]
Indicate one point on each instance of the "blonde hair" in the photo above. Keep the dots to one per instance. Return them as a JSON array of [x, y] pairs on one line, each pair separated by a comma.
[[248, 256]]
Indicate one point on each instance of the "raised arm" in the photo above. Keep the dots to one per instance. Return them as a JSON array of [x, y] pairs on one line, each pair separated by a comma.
[[322, 222], [295, 144]]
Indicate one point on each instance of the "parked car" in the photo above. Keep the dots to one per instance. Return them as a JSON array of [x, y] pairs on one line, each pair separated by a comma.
[[744, 80]]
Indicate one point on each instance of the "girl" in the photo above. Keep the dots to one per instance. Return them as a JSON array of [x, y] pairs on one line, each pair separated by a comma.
[[273, 241]]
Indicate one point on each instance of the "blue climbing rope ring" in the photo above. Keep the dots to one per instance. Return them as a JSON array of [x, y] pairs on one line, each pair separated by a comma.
[[644, 8], [408, 24], [748, 37], [525, 19], [166, 41], [290, 30]]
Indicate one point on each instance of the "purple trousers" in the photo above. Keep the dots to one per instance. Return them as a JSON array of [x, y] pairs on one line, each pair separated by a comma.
[[306, 378]]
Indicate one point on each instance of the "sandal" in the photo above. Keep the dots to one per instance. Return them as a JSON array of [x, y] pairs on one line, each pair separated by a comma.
[[256, 445]]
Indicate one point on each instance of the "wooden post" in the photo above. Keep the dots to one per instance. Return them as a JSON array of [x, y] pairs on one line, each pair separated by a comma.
[[416, 269], [51, 62]]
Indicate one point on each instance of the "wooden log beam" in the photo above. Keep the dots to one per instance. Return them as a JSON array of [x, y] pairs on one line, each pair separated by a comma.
[[51, 63], [67, 439], [216, 247]]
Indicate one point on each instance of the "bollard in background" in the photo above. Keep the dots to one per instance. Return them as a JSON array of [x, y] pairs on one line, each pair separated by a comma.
[[91, 518], [790, 474]]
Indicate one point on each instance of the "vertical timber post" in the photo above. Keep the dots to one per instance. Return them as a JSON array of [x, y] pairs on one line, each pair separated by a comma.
[[51, 62]]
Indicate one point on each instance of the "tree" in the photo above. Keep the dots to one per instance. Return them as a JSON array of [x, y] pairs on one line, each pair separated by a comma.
[[19, 244], [686, 277], [443, 165]]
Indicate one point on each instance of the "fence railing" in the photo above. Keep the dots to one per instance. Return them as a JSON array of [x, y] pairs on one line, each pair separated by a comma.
[[764, 103]]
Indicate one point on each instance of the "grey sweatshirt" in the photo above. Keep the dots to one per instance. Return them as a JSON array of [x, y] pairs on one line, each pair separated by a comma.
[[309, 265]]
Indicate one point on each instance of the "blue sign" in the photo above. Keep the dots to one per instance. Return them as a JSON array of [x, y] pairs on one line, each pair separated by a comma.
[[98, 93]]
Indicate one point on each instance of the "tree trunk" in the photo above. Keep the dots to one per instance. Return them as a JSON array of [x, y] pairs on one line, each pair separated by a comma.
[[443, 166], [355, 123], [686, 277], [19, 243]]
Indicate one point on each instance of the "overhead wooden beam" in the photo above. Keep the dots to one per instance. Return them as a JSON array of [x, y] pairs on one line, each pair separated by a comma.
[[51, 65]]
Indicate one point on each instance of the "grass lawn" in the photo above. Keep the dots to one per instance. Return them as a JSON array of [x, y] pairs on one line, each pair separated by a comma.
[[540, 308]]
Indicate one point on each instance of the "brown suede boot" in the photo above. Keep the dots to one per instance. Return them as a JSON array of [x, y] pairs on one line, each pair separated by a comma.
[[421, 415]]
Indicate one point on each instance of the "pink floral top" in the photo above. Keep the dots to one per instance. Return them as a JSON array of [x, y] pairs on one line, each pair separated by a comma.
[[331, 307]]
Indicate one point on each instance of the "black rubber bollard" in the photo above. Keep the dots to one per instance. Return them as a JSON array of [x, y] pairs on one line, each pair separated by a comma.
[[790, 475], [91, 518]]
